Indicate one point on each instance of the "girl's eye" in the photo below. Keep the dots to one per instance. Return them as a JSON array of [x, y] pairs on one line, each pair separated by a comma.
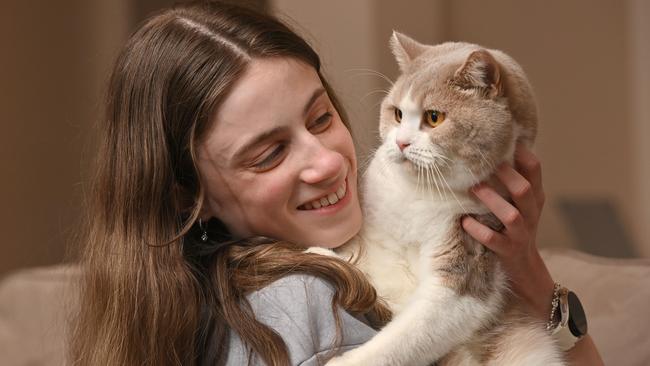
[[271, 159], [434, 118], [321, 123], [398, 115]]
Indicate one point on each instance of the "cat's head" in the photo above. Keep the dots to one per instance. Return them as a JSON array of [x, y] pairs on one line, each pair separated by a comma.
[[455, 112]]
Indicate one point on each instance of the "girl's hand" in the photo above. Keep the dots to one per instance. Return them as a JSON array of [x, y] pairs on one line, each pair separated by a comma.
[[515, 245]]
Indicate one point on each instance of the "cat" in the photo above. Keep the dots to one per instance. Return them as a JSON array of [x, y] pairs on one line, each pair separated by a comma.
[[456, 112]]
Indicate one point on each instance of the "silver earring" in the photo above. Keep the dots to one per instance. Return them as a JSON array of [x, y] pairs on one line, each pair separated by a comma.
[[204, 236]]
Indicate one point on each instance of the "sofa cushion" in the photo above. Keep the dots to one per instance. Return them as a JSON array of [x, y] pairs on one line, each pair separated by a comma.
[[615, 295], [35, 304]]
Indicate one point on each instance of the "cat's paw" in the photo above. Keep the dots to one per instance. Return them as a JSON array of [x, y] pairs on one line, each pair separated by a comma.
[[339, 361], [322, 251], [356, 357]]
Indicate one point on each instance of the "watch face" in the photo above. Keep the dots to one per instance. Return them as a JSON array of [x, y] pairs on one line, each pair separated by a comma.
[[577, 318]]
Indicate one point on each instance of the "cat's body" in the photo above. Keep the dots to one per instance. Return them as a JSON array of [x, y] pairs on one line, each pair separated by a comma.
[[448, 293]]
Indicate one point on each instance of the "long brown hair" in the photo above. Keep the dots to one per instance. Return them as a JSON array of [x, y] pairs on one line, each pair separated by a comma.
[[151, 292]]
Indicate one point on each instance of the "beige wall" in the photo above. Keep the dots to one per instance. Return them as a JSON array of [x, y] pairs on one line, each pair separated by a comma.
[[53, 62], [593, 131], [638, 77], [587, 60]]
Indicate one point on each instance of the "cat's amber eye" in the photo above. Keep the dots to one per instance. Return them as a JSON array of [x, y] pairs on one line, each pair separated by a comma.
[[398, 115], [434, 118]]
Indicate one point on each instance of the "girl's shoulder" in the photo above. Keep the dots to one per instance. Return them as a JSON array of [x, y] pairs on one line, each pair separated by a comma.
[[299, 308], [296, 291]]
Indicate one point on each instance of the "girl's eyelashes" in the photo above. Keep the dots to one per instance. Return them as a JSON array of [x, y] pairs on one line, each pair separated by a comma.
[[321, 123], [271, 159]]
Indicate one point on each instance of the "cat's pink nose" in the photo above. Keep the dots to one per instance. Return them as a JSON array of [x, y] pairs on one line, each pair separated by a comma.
[[402, 145]]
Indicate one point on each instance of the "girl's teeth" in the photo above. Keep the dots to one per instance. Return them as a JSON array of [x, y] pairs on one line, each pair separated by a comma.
[[330, 199], [324, 202], [341, 191]]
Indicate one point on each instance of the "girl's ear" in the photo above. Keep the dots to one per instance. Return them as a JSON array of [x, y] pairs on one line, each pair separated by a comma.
[[405, 49], [209, 209], [205, 214]]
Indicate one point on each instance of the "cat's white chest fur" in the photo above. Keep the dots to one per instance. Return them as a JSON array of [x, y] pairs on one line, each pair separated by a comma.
[[404, 224]]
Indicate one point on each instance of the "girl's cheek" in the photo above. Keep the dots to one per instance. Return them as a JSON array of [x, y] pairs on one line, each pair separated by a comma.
[[274, 191]]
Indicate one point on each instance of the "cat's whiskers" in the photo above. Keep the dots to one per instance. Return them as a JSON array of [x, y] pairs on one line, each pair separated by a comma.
[[445, 160], [423, 159], [370, 72], [487, 161], [450, 190], [428, 182], [474, 177], [417, 181], [443, 157], [367, 72], [437, 156], [432, 179], [427, 186], [375, 105], [425, 177], [375, 91], [425, 180], [445, 164], [436, 173]]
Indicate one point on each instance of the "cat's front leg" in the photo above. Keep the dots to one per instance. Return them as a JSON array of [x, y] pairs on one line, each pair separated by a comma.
[[345, 252], [432, 324], [322, 251]]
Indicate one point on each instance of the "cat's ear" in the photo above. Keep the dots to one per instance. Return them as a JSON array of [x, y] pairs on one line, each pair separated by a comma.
[[480, 71], [405, 49]]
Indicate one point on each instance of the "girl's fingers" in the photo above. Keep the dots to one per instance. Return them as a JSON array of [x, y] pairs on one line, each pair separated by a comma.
[[520, 190], [508, 215], [530, 168], [497, 242]]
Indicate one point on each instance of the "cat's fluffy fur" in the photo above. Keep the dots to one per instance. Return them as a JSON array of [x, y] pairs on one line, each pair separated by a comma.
[[448, 293]]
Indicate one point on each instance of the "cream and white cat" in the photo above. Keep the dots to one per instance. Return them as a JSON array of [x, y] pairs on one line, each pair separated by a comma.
[[453, 115]]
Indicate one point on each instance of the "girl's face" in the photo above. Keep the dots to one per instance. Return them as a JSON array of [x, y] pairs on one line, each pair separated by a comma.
[[278, 161]]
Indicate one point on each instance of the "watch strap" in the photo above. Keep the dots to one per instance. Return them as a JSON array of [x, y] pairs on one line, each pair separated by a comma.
[[562, 333]]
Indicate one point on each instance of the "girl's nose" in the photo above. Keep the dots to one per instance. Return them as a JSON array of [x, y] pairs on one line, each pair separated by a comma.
[[322, 165]]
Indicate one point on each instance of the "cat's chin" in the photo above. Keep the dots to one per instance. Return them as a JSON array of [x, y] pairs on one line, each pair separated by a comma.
[[411, 169], [457, 179]]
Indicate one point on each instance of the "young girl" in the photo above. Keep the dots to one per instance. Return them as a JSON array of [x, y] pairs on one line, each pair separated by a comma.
[[224, 155]]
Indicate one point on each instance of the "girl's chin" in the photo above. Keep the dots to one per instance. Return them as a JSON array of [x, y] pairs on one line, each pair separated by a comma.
[[344, 236]]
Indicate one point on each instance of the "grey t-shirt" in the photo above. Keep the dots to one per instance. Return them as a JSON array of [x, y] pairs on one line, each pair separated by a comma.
[[298, 307]]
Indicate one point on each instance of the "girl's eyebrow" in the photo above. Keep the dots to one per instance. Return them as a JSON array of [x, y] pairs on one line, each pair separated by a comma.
[[266, 135], [315, 95], [278, 130]]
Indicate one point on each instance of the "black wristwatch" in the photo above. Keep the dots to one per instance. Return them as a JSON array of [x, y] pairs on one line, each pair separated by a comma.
[[572, 324]]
